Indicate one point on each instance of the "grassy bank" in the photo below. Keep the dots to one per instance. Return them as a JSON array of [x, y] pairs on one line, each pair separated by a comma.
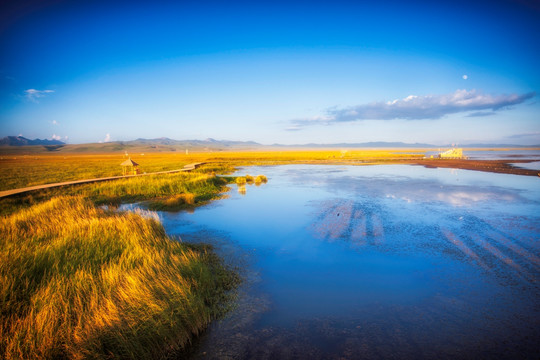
[[81, 282], [159, 192], [23, 170]]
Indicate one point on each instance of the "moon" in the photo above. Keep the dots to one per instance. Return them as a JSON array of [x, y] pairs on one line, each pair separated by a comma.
[[465, 77]]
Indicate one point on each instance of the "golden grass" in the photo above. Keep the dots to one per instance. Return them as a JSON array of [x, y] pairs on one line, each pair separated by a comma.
[[308, 156], [240, 181], [80, 282], [158, 191], [17, 171], [25, 170], [261, 179], [180, 199]]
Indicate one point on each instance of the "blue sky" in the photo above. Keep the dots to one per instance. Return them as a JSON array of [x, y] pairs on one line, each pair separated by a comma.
[[274, 72]]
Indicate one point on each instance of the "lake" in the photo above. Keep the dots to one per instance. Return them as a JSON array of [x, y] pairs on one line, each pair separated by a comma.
[[390, 261]]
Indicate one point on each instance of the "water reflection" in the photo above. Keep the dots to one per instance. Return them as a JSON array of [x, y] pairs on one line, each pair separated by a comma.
[[346, 220], [376, 262], [242, 190], [476, 240], [535, 165]]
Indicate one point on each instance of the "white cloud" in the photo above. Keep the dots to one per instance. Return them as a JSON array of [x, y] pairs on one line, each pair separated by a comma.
[[465, 77], [54, 122], [56, 137], [415, 107], [107, 138], [33, 94]]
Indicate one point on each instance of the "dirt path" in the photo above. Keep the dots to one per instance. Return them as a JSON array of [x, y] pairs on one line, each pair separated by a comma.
[[5, 193]]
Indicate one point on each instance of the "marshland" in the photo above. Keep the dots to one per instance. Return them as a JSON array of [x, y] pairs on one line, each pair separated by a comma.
[[269, 179], [80, 279], [312, 255]]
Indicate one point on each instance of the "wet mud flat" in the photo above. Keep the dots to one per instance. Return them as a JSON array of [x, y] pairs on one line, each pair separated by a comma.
[[494, 166], [377, 262]]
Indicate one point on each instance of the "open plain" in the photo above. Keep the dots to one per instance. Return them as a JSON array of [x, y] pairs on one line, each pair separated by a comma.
[[54, 237]]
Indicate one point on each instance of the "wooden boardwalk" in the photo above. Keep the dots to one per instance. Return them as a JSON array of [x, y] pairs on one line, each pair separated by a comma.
[[5, 193]]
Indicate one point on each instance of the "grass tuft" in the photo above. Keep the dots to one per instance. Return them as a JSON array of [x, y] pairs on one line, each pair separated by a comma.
[[261, 179], [180, 199], [240, 181], [77, 281]]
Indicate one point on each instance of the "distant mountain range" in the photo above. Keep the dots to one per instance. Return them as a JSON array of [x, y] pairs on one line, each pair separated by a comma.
[[394, 145], [373, 144], [208, 142], [166, 144], [212, 143], [22, 141]]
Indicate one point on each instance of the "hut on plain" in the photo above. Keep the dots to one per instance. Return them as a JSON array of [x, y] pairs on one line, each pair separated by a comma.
[[129, 167]]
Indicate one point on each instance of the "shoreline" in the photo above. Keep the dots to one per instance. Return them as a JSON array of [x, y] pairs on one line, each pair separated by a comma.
[[493, 166]]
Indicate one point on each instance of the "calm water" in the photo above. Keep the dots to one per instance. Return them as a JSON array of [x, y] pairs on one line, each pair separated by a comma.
[[535, 165], [504, 155], [376, 262]]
